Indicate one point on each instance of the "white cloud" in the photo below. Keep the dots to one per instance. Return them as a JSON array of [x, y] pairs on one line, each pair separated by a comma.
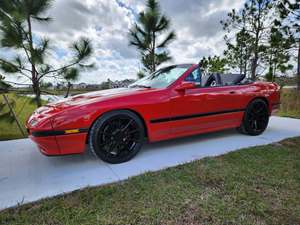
[[106, 23]]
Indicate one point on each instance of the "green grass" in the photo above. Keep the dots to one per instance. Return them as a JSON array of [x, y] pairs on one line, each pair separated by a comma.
[[290, 103], [23, 108], [259, 185]]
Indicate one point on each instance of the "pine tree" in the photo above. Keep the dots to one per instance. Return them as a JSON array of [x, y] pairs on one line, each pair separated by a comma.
[[238, 54], [16, 28], [214, 64], [255, 18], [145, 34], [290, 23], [276, 54]]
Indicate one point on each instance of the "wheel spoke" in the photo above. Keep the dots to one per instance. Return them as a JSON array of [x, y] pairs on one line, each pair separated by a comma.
[[127, 125], [252, 124], [118, 136], [119, 123], [114, 149], [107, 142], [133, 131], [105, 133], [255, 124]]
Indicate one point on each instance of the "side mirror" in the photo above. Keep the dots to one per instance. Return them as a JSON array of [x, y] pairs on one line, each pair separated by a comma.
[[185, 86]]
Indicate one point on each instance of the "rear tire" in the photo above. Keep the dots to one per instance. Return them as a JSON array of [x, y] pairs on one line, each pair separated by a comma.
[[117, 136], [256, 118]]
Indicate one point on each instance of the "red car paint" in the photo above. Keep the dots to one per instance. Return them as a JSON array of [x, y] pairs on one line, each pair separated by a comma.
[[167, 113]]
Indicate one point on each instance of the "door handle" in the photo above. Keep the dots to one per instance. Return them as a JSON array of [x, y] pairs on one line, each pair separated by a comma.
[[232, 92]]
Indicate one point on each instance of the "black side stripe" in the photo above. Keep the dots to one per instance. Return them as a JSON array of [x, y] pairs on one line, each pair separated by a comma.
[[48, 133], [161, 120]]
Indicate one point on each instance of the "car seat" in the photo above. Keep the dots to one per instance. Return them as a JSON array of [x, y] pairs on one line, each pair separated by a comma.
[[213, 80]]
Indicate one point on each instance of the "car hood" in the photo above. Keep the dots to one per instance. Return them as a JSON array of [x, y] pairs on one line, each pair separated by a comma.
[[96, 96]]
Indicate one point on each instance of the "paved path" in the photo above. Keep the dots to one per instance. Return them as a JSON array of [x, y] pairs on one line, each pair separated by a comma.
[[26, 175]]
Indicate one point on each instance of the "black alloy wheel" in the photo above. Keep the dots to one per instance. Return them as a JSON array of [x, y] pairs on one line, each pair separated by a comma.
[[117, 136], [256, 118]]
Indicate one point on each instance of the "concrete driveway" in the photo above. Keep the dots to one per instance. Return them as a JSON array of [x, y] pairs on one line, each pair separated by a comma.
[[26, 175]]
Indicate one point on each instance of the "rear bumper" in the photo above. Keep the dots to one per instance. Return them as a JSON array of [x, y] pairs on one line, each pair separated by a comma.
[[61, 144]]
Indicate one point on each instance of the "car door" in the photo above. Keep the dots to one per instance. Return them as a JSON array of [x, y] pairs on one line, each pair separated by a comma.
[[204, 109]]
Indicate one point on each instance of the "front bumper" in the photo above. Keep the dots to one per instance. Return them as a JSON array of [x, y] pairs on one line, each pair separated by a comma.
[[46, 145], [61, 144], [52, 140]]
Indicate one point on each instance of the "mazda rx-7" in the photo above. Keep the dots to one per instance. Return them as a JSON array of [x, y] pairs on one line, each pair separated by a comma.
[[175, 101]]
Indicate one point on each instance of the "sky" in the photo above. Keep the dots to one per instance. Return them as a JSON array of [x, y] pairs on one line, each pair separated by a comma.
[[107, 22]]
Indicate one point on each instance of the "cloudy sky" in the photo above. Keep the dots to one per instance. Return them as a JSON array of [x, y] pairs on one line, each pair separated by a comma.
[[106, 23]]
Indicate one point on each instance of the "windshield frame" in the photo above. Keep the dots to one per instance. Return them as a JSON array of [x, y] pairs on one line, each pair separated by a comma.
[[186, 66]]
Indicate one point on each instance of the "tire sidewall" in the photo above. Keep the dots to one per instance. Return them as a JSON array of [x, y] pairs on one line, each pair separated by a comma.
[[96, 128], [245, 128]]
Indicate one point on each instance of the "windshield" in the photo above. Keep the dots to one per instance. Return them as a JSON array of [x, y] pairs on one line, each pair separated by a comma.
[[161, 78]]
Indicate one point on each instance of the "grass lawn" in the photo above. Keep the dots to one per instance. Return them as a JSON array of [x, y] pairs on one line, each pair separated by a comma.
[[23, 108], [290, 103], [8, 128], [259, 185]]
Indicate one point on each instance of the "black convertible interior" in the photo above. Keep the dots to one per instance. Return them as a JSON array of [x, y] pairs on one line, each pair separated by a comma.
[[217, 79]]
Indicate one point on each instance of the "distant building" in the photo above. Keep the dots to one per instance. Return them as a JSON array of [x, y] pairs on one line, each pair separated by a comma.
[[104, 85], [82, 86], [120, 84], [60, 86], [92, 86]]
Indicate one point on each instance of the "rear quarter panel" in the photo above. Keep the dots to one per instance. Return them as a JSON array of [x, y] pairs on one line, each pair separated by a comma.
[[264, 90], [269, 91]]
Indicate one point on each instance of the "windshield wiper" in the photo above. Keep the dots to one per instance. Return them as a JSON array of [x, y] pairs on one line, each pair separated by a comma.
[[140, 86]]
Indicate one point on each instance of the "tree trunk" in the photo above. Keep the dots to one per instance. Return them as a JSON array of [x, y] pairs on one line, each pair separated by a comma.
[[274, 72], [34, 78], [153, 53], [245, 62], [254, 65], [298, 69], [241, 61], [245, 68], [68, 90], [37, 92], [257, 33]]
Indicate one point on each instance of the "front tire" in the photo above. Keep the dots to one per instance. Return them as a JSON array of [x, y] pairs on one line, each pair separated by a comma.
[[256, 118], [117, 136]]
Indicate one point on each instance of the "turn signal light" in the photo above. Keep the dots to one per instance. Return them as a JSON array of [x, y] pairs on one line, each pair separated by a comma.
[[72, 131]]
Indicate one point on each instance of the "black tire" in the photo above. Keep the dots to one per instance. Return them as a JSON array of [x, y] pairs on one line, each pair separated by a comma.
[[117, 136], [256, 118]]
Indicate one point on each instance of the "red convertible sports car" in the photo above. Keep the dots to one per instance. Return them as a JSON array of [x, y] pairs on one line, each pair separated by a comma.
[[173, 102]]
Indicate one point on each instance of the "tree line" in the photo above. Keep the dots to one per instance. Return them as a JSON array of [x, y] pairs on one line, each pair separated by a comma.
[[262, 39], [266, 35]]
